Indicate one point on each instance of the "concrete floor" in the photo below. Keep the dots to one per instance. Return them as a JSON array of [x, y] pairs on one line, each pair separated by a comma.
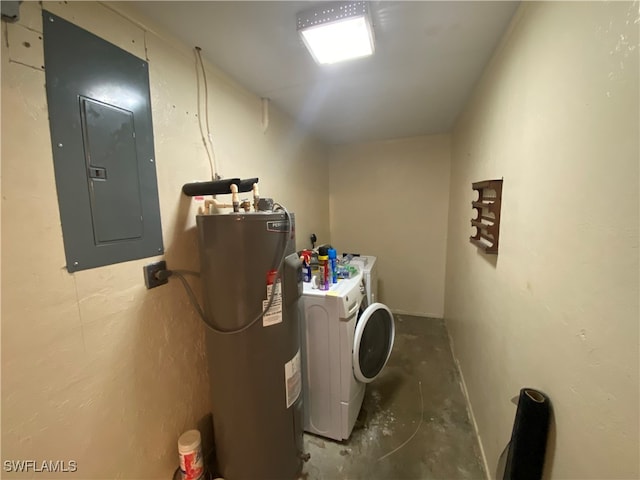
[[418, 392]]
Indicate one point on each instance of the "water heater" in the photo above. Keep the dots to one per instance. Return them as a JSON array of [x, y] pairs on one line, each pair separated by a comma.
[[254, 370]]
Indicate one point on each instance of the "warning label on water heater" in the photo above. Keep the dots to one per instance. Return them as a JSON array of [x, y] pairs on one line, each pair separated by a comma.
[[272, 316], [292, 379]]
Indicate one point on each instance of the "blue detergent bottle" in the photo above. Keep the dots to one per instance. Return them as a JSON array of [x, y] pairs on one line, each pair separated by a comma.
[[332, 265]]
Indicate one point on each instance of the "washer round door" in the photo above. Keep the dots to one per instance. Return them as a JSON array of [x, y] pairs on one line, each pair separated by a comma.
[[373, 341]]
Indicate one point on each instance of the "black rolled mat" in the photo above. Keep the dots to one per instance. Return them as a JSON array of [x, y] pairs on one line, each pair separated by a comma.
[[525, 460]]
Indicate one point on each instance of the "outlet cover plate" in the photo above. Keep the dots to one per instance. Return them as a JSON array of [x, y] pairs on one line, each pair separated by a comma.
[[150, 271]]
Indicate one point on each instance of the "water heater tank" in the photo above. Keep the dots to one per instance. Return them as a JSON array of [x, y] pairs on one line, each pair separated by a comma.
[[254, 374]]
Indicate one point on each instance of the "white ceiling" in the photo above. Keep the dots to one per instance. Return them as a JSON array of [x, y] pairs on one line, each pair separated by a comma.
[[429, 56]]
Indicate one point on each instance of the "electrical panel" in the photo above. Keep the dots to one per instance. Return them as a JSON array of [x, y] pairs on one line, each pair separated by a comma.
[[102, 140]]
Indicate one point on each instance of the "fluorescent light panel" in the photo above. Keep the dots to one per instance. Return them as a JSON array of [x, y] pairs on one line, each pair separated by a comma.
[[337, 32]]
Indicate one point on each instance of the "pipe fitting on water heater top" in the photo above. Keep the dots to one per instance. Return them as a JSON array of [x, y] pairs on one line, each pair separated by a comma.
[[234, 198]]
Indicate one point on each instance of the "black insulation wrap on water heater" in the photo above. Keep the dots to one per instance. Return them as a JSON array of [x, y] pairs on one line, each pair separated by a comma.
[[246, 184], [218, 187], [525, 460]]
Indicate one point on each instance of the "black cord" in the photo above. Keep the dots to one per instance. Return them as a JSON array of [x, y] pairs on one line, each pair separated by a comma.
[[192, 296], [187, 272], [162, 274]]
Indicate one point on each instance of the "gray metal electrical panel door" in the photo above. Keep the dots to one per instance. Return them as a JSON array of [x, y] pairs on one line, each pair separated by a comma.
[[102, 140]]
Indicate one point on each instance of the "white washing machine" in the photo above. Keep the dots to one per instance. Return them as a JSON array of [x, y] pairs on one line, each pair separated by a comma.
[[344, 347], [368, 266]]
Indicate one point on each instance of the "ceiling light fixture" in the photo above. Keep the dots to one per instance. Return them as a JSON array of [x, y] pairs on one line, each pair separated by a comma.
[[337, 31]]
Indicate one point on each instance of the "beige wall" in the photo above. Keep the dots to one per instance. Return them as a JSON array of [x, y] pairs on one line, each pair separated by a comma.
[[95, 368], [556, 115], [390, 199]]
